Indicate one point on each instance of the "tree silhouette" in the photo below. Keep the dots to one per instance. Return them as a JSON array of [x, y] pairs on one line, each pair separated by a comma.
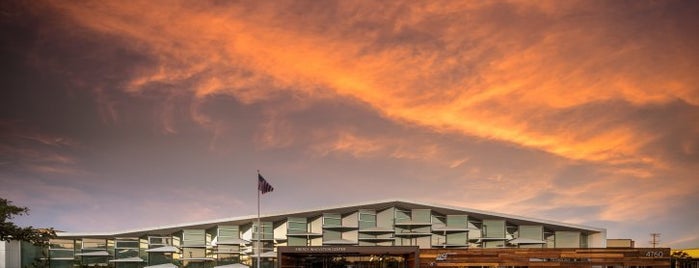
[[10, 231]]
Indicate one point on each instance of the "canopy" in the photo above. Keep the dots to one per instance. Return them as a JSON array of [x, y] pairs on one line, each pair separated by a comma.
[[130, 259], [234, 265], [268, 254], [169, 249], [101, 253], [521, 240], [232, 241], [164, 265]]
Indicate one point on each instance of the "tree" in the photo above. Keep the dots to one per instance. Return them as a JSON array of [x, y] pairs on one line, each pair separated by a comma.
[[10, 231]]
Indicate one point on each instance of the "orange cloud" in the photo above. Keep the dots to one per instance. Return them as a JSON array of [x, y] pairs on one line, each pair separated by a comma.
[[495, 70]]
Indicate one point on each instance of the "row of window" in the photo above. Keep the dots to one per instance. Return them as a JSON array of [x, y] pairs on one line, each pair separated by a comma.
[[392, 226]]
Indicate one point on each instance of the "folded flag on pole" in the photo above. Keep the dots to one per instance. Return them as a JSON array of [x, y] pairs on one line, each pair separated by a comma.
[[263, 185]]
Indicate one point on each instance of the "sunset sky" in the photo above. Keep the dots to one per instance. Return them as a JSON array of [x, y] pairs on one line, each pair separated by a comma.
[[117, 115]]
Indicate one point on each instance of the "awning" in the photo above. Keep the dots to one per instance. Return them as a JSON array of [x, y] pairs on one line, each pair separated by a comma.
[[131, 259], [490, 238], [451, 229], [232, 241], [340, 227], [407, 233], [376, 230], [101, 253], [234, 265], [304, 234], [520, 240], [377, 238], [413, 223], [339, 242], [198, 259], [268, 254], [165, 249], [164, 265]]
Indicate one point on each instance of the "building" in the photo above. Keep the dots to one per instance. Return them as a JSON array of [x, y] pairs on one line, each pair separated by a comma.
[[685, 258], [387, 234], [620, 243]]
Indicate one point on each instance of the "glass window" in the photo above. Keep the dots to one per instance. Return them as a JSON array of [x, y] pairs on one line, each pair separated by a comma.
[[127, 243], [126, 253], [89, 243], [61, 244], [159, 240], [61, 253], [332, 219]]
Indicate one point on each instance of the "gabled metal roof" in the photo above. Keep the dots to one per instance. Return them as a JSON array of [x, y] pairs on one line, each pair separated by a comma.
[[473, 214]]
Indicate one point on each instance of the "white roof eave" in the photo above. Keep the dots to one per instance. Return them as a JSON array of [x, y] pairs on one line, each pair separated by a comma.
[[387, 202]]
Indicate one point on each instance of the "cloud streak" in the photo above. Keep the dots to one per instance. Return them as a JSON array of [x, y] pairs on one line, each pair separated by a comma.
[[497, 70], [544, 108]]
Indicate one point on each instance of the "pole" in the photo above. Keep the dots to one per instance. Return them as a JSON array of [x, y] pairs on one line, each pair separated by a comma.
[[259, 224]]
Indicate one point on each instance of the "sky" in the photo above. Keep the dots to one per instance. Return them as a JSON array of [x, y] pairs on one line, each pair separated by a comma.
[[119, 115]]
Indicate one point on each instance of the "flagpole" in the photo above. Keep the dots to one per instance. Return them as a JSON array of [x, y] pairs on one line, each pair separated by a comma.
[[259, 224]]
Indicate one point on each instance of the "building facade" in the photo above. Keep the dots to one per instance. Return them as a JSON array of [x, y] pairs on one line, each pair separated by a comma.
[[388, 234]]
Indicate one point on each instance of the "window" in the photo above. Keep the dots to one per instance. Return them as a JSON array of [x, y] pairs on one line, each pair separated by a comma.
[[332, 219], [193, 237], [265, 232], [367, 219], [127, 243], [61, 244], [297, 225], [89, 243], [159, 240]]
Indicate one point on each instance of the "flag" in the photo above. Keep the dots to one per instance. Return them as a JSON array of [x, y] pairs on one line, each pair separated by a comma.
[[263, 185]]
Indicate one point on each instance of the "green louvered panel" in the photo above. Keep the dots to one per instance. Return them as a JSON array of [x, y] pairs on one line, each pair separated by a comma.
[[297, 225], [332, 219], [460, 238], [367, 219], [494, 228], [567, 239], [265, 232], [421, 215], [402, 216], [531, 232], [457, 221], [385, 218], [193, 237], [297, 241], [227, 232], [331, 235]]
